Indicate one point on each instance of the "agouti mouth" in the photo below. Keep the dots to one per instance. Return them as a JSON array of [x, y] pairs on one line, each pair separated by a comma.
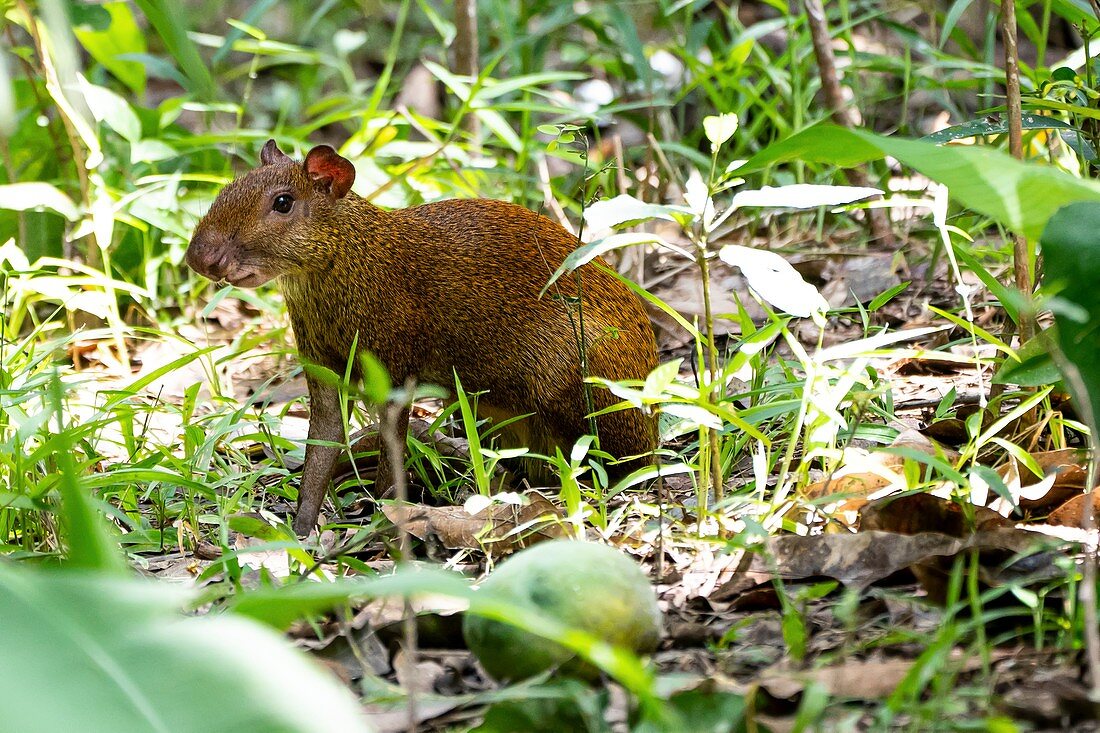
[[240, 277], [246, 279]]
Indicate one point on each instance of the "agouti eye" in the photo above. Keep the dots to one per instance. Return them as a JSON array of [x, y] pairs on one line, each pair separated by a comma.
[[283, 203]]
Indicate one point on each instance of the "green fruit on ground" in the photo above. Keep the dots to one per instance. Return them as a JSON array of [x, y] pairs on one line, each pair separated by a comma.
[[581, 585]]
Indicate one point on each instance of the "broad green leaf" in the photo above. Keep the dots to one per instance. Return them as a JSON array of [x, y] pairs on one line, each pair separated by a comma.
[[170, 21], [1071, 255], [697, 195], [706, 708], [1078, 12], [987, 126], [1022, 196], [552, 706], [501, 128], [692, 413], [1034, 366], [151, 150], [120, 656], [661, 378], [586, 253], [276, 606], [109, 45], [110, 108]]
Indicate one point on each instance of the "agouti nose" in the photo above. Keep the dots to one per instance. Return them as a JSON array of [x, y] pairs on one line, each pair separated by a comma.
[[206, 255]]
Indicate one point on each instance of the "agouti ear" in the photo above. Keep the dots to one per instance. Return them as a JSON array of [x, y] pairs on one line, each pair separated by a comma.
[[270, 153], [326, 166]]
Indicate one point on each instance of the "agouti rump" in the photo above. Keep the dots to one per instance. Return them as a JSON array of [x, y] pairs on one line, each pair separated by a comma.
[[434, 290]]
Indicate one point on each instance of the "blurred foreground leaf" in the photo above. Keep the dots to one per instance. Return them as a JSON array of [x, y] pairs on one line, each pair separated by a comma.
[[89, 652]]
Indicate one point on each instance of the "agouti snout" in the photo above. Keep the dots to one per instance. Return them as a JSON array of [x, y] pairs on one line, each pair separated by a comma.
[[446, 288]]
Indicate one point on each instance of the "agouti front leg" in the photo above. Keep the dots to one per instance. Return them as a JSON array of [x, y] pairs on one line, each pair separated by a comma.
[[325, 425]]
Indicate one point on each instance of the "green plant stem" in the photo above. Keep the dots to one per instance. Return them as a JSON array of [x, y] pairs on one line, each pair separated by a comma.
[[712, 365]]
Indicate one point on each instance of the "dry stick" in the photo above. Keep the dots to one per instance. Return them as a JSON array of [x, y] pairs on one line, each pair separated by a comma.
[[395, 453], [1016, 147], [549, 200], [466, 54], [878, 219]]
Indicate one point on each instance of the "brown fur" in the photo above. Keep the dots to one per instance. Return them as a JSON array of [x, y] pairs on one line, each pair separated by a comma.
[[431, 290]]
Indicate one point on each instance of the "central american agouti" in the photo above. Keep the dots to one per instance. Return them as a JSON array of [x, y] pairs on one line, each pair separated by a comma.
[[443, 288]]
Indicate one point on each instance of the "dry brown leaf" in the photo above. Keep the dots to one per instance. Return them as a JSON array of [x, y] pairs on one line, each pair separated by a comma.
[[862, 474], [860, 559], [928, 365], [859, 680], [1072, 513], [416, 675], [1066, 466], [395, 717], [918, 513], [497, 529], [852, 484]]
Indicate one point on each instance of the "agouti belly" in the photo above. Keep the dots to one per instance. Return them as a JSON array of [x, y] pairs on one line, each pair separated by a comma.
[[439, 289]]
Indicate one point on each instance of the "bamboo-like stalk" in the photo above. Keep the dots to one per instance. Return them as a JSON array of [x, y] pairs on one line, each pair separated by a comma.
[[466, 53]]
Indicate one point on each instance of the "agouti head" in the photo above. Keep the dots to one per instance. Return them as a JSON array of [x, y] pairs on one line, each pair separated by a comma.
[[266, 223]]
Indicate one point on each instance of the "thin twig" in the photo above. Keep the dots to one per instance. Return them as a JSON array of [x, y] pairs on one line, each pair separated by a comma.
[[878, 219], [1020, 257]]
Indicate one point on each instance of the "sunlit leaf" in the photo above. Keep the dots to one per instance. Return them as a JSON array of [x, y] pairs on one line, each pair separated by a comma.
[[1022, 196], [774, 280], [110, 45], [803, 196], [624, 209], [37, 196]]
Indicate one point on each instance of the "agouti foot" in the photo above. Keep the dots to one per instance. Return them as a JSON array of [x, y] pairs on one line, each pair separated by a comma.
[[303, 525]]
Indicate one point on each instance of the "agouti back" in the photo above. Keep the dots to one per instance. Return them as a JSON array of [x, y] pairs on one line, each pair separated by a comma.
[[438, 289]]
